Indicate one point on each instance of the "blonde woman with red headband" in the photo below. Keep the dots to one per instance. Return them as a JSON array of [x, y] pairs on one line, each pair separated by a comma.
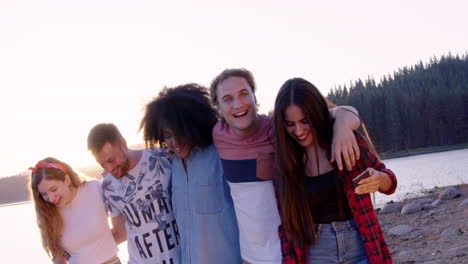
[[71, 215]]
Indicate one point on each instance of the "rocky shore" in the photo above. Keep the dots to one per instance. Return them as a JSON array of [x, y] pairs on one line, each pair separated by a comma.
[[429, 229]]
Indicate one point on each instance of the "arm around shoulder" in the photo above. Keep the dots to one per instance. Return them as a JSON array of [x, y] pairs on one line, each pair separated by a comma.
[[344, 147], [346, 116], [118, 229]]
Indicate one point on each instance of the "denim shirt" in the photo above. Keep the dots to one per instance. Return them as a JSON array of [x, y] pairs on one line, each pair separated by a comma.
[[204, 209]]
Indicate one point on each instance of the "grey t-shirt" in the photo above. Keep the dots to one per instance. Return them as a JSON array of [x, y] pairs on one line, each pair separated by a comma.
[[142, 196]]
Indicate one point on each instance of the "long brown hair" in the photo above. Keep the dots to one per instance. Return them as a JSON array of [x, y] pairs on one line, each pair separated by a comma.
[[49, 220], [297, 216]]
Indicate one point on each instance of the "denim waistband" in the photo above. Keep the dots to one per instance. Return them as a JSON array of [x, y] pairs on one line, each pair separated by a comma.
[[336, 226]]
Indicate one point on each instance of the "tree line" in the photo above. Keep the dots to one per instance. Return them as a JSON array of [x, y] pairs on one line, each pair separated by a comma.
[[423, 105]]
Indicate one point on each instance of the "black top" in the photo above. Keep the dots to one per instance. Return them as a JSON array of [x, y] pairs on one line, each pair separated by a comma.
[[327, 198]]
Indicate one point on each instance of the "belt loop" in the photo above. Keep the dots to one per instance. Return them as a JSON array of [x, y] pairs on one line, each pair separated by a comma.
[[318, 228], [339, 226]]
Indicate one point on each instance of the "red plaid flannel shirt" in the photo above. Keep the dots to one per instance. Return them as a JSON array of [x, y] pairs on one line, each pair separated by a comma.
[[363, 214]]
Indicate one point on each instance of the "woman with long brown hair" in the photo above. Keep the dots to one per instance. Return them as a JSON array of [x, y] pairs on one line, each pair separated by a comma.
[[325, 218], [71, 215]]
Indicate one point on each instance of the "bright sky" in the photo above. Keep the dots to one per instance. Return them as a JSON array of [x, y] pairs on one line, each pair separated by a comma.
[[68, 65]]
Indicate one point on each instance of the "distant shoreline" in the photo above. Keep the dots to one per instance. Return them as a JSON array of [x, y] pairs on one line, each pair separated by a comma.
[[14, 189], [421, 151], [421, 194], [16, 203]]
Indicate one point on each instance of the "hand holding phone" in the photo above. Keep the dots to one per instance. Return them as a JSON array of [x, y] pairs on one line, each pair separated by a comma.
[[362, 175]]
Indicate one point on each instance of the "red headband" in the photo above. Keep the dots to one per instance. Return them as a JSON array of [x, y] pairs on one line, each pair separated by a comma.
[[45, 164]]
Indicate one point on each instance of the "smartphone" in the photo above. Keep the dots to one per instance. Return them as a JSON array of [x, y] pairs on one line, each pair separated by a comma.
[[362, 175]]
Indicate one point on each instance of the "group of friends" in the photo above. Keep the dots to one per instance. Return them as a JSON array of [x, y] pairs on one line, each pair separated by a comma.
[[221, 183]]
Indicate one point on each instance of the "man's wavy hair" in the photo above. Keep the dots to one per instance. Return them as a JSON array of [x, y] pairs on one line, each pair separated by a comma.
[[49, 220], [186, 110], [227, 73]]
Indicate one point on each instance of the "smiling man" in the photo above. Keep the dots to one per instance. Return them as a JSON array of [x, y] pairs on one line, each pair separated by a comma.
[[136, 194], [245, 142]]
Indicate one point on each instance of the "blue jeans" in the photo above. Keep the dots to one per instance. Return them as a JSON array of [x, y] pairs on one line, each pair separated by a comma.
[[338, 242]]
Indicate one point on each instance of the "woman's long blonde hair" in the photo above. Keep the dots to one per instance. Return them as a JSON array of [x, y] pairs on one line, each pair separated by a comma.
[[49, 220]]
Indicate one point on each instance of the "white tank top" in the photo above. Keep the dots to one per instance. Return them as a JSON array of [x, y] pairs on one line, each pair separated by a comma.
[[258, 220], [86, 233]]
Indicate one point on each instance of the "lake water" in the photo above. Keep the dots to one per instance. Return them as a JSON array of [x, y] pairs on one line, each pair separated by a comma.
[[20, 240], [422, 172]]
